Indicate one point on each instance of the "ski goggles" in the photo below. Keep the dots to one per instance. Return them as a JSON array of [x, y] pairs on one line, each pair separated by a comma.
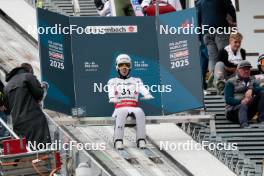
[[121, 65]]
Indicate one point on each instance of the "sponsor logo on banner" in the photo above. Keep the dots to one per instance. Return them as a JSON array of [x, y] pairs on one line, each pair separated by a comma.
[[179, 54], [111, 29], [55, 55]]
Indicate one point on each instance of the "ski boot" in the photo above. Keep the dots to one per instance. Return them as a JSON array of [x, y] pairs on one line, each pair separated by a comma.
[[141, 143], [119, 145]]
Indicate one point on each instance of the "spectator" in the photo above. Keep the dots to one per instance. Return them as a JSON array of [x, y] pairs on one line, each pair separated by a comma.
[[39, 4], [165, 6], [213, 14], [203, 56], [23, 93], [260, 76], [122, 8], [76, 8], [244, 97], [103, 7], [228, 59]]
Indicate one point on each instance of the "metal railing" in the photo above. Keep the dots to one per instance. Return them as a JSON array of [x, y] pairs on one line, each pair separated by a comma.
[[74, 157], [11, 132]]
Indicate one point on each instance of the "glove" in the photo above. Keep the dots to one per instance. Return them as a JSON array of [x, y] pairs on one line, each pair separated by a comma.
[[147, 97], [44, 85], [114, 100]]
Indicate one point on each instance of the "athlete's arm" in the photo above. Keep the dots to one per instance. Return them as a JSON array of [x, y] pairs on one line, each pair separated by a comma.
[[143, 90]]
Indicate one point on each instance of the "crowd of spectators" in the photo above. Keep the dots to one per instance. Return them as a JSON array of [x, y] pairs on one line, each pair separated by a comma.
[[227, 65]]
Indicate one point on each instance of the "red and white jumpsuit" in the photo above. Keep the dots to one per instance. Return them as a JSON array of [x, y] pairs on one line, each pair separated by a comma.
[[124, 93]]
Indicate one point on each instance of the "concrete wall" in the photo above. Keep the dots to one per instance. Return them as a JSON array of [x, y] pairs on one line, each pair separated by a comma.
[[253, 42], [21, 12]]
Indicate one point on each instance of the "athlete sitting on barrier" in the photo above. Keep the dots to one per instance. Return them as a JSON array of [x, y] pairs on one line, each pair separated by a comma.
[[123, 91]]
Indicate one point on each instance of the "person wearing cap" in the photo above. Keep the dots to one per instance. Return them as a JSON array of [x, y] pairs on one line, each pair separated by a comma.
[[228, 59], [124, 91], [244, 97], [260, 76]]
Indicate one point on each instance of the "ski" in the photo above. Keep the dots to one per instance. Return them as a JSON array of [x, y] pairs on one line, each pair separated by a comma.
[[152, 156], [103, 132], [147, 151], [127, 156]]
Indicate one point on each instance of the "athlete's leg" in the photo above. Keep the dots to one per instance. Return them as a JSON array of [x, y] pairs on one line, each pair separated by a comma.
[[140, 121], [120, 115]]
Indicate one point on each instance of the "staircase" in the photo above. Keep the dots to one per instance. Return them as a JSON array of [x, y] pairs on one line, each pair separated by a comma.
[[248, 159], [65, 7], [87, 8]]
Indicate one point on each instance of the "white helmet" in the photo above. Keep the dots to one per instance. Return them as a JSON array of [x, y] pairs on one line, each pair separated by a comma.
[[123, 59]]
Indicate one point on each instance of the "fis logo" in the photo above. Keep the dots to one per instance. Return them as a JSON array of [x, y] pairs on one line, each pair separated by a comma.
[[111, 29]]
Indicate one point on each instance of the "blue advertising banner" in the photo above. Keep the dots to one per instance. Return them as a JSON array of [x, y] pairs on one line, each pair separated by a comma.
[[167, 63], [179, 61], [94, 60], [56, 61]]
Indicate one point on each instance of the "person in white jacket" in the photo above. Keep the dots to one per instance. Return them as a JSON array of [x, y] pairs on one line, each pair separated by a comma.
[[165, 6], [103, 7], [124, 91]]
